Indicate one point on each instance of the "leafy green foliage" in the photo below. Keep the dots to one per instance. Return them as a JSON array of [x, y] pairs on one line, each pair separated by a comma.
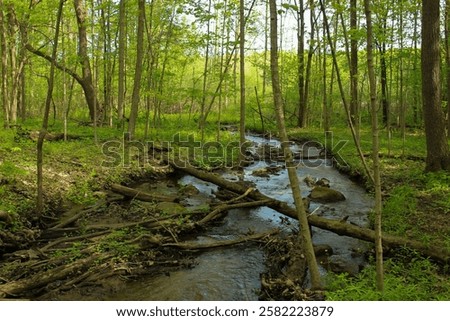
[[398, 208], [414, 280], [116, 242]]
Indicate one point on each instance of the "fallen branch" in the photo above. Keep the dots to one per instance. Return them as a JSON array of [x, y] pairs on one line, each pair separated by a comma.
[[203, 246], [43, 278], [226, 207], [341, 228], [142, 196]]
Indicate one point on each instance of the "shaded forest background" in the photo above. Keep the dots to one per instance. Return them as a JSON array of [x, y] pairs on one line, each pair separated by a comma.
[[189, 61]]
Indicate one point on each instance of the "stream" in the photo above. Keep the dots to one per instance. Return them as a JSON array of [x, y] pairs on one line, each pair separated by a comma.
[[233, 273]]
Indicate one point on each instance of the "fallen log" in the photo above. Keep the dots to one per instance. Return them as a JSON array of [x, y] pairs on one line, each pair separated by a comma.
[[225, 207], [142, 196], [210, 245], [15, 288], [341, 228]]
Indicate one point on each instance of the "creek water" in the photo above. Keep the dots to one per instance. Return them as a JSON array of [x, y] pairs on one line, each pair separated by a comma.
[[233, 273]]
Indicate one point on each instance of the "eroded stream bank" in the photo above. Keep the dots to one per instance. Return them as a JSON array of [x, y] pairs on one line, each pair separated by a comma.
[[235, 273]]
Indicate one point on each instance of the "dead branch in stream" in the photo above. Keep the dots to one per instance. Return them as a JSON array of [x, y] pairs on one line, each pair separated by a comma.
[[142, 196], [210, 245], [341, 228]]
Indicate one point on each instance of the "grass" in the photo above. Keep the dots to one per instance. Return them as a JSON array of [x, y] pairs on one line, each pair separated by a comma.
[[412, 280]]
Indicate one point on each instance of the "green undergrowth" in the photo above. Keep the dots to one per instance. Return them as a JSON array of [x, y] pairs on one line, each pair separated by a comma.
[[413, 279], [76, 169], [415, 206]]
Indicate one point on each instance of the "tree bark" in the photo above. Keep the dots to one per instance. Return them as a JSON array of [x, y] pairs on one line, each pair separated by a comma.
[[122, 74], [447, 59], [354, 104], [242, 81], [301, 65], [305, 235], [135, 98], [4, 80], [43, 131], [342, 92], [86, 80], [375, 149], [438, 154]]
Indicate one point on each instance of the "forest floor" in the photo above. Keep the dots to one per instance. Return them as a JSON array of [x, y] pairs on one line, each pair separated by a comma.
[[87, 258]]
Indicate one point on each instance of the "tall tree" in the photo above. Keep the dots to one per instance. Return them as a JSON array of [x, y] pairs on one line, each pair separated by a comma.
[[135, 98], [122, 74], [301, 64], [306, 242], [438, 154], [354, 104], [43, 131], [242, 80], [4, 80], [87, 81], [375, 148], [447, 58]]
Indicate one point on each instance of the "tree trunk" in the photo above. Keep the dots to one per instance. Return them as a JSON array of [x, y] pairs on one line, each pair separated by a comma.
[[384, 85], [438, 155], [354, 104], [135, 98], [86, 80], [375, 149], [242, 81], [301, 65], [447, 58], [121, 76], [342, 92], [305, 235], [43, 132], [4, 80], [203, 110]]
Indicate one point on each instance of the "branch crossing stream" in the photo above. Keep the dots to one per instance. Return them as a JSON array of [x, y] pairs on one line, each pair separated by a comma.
[[233, 273]]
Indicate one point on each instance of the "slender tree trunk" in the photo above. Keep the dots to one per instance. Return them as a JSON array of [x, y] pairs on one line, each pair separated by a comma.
[[416, 85], [354, 104], [325, 111], [384, 77], [266, 48], [108, 59], [438, 155], [402, 114], [242, 81], [5, 78], [447, 56], [301, 64], [342, 92], [203, 111], [13, 69], [305, 235], [43, 131], [311, 50], [375, 149], [135, 98], [87, 82], [122, 73]]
